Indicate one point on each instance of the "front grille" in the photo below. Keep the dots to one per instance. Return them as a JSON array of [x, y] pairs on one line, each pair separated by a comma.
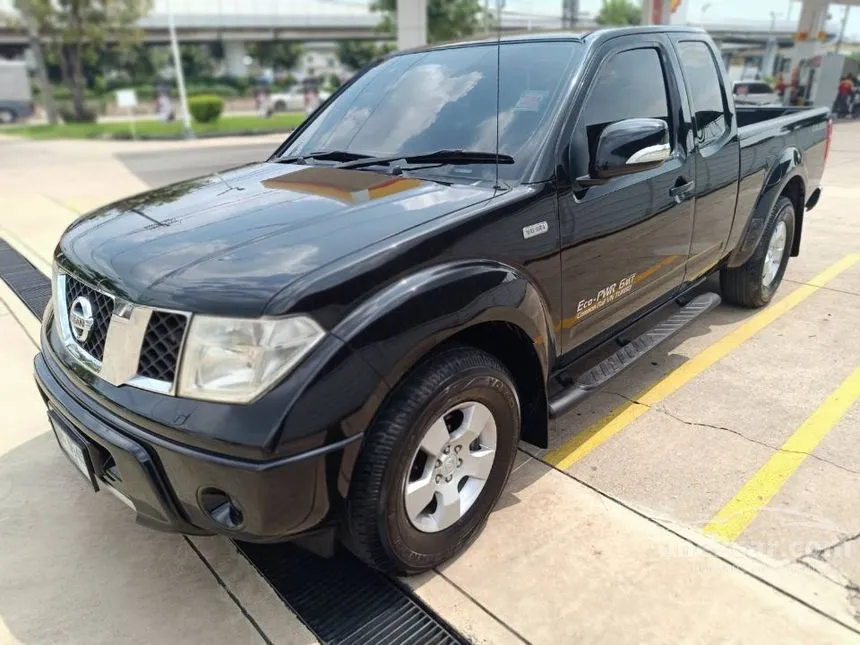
[[102, 305], [159, 354]]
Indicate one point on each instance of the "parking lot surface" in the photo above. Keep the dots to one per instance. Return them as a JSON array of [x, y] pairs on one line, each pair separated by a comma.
[[709, 494]]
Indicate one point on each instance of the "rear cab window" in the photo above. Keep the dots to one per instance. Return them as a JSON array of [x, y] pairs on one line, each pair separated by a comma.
[[705, 84]]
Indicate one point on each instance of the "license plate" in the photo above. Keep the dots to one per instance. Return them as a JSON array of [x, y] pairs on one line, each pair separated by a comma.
[[76, 450]]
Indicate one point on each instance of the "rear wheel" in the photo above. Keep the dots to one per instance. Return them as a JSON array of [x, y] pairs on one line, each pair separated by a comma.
[[434, 463], [279, 106], [754, 283], [7, 116]]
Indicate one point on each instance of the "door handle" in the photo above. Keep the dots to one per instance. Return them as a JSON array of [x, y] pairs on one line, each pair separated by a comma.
[[679, 192]]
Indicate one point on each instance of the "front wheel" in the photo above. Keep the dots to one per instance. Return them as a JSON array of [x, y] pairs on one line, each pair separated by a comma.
[[754, 283], [434, 463], [7, 116]]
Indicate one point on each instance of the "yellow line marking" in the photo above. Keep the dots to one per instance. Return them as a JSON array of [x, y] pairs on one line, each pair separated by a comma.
[[733, 518], [583, 443]]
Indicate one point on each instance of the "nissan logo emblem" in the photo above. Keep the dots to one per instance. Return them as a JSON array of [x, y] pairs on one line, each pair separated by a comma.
[[81, 318]]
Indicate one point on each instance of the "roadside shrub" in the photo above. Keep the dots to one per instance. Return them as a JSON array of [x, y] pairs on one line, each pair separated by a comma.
[[69, 115], [206, 108]]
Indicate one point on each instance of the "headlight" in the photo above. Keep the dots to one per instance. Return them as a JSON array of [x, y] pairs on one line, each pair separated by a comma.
[[237, 359]]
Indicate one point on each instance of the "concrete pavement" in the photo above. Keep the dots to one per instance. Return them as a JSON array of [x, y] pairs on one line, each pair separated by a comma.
[[598, 545]]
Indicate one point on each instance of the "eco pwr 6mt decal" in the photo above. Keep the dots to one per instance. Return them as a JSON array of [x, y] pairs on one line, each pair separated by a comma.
[[606, 295]]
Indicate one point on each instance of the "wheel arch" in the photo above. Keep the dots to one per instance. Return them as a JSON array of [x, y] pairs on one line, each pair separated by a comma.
[[513, 348], [788, 177], [795, 190], [486, 305]]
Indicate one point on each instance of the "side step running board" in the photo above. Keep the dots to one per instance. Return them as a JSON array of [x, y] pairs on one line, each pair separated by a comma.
[[613, 365]]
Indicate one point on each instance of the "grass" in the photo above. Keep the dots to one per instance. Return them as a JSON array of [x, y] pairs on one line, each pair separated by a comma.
[[159, 130]]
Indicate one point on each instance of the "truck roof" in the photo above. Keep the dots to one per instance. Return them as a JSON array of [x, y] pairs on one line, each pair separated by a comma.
[[597, 35]]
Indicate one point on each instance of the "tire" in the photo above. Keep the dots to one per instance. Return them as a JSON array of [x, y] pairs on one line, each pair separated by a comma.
[[749, 285], [379, 527], [279, 106], [7, 116]]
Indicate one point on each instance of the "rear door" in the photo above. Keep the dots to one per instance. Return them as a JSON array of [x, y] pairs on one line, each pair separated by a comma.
[[624, 243], [717, 151]]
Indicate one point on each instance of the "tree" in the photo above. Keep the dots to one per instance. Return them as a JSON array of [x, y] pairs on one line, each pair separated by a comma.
[[39, 59], [131, 64], [357, 54], [619, 12], [197, 60], [76, 29], [277, 55], [446, 19]]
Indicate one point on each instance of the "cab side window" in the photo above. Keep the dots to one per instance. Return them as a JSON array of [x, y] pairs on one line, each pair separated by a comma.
[[630, 85], [706, 90]]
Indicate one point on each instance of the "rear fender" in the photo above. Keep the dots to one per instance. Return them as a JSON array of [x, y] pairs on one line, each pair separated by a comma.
[[396, 328], [787, 167]]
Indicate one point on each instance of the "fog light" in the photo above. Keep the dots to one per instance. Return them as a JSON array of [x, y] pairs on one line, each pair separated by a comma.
[[218, 505]]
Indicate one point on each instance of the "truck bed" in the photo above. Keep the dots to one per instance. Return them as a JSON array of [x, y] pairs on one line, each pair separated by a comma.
[[767, 135], [749, 115]]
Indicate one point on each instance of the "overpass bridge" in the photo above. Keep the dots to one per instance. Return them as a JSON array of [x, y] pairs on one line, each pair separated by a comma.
[[331, 20], [237, 22]]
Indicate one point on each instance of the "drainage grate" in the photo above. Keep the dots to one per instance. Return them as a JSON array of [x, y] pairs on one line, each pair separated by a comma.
[[28, 283], [340, 600]]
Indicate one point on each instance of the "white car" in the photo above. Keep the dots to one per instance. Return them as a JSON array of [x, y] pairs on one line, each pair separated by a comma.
[[292, 100], [754, 93]]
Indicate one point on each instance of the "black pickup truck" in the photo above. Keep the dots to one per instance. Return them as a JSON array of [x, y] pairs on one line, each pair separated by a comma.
[[349, 339]]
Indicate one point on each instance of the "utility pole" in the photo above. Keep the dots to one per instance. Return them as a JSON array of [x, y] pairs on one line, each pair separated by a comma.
[[486, 16], [842, 28], [41, 71], [500, 4], [187, 132], [569, 12]]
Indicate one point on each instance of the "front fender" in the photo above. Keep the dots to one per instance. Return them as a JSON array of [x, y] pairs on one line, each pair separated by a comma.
[[401, 324], [788, 166], [342, 385]]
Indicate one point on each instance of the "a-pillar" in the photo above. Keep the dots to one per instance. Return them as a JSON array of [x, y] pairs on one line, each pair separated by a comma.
[[411, 23], [235, 54], [809, 37]]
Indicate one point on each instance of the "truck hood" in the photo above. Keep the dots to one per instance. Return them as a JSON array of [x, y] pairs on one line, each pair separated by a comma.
[[227, 243]]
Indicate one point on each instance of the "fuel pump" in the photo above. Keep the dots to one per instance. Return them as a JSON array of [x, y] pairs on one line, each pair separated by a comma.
[[819, 77]]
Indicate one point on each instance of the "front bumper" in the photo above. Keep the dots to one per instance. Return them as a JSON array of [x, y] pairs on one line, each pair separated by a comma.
[[176, 487]]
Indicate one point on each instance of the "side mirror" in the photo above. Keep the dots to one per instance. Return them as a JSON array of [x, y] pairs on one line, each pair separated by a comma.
[[628, 146]]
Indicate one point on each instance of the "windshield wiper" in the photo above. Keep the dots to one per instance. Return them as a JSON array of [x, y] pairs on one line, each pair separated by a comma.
[[324, 155], [437, 157]]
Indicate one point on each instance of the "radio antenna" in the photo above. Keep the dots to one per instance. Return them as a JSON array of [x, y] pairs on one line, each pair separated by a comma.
[[498, 81]]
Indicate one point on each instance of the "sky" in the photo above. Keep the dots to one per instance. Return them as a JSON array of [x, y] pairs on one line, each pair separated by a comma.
[[714, 10]]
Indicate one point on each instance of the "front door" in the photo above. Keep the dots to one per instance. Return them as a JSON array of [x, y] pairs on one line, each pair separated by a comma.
[[625, 243]]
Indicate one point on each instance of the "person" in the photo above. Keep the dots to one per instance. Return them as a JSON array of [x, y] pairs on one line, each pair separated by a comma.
[[312, 99], [264, 106], [164, 106], [844, 95], [780, 85]]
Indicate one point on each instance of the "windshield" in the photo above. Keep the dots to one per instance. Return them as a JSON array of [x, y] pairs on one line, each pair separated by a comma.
[[446, 99]]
